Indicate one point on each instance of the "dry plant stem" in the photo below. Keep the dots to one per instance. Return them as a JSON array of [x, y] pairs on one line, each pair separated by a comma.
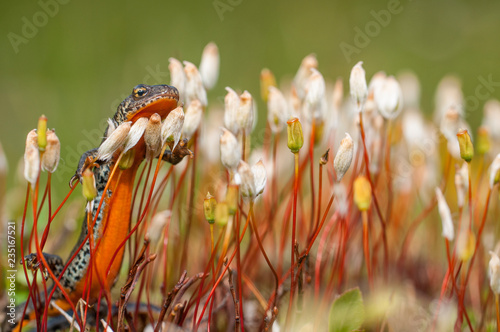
[[368, 175], [238, 268], [221, 276], [498, 312], [294, 224], [366, 247], [235, 300], [257, 236], [200, 289], [127, 290], [191, 194], [168, 300]]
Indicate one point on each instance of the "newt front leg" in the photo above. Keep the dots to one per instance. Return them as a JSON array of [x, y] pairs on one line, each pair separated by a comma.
[[180, 151]]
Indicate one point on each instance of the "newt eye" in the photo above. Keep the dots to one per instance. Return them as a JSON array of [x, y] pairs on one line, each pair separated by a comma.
[[139, 91]]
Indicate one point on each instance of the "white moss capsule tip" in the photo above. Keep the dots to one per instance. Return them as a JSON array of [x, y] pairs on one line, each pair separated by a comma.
[[315, 88], [260, 177], [450, 123], [267, 80], [32, 139], [230, 150], [357, 84], [495, 171], [231, 106], [448, 94], [209, 65], [414, 128], [177, 75], [192, 118], [245, 112], [303, 74], [494, 273], [114, 142], [152, 136], [388, 97], [376, 81], [135, 133], [444, 212], [248, 186], [158, 223], [194, 84], [50, 158], [172, 127], [278, 111], [31, 158], [343, 158]]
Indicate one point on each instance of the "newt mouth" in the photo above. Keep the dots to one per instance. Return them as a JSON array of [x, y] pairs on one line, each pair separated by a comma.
[[161, 104]]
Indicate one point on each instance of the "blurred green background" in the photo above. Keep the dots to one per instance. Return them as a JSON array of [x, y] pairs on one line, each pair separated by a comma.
[[79, 63]]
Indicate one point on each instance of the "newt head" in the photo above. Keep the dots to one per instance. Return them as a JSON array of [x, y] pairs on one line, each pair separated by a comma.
[[146, 100]]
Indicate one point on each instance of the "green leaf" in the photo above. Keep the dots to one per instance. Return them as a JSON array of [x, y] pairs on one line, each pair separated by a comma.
[[347, 312]]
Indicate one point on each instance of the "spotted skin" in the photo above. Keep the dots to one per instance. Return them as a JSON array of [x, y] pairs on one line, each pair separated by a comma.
[[144, 101]]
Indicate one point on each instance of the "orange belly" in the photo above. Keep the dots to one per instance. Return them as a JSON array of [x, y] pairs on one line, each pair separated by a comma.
[[115, 228]]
